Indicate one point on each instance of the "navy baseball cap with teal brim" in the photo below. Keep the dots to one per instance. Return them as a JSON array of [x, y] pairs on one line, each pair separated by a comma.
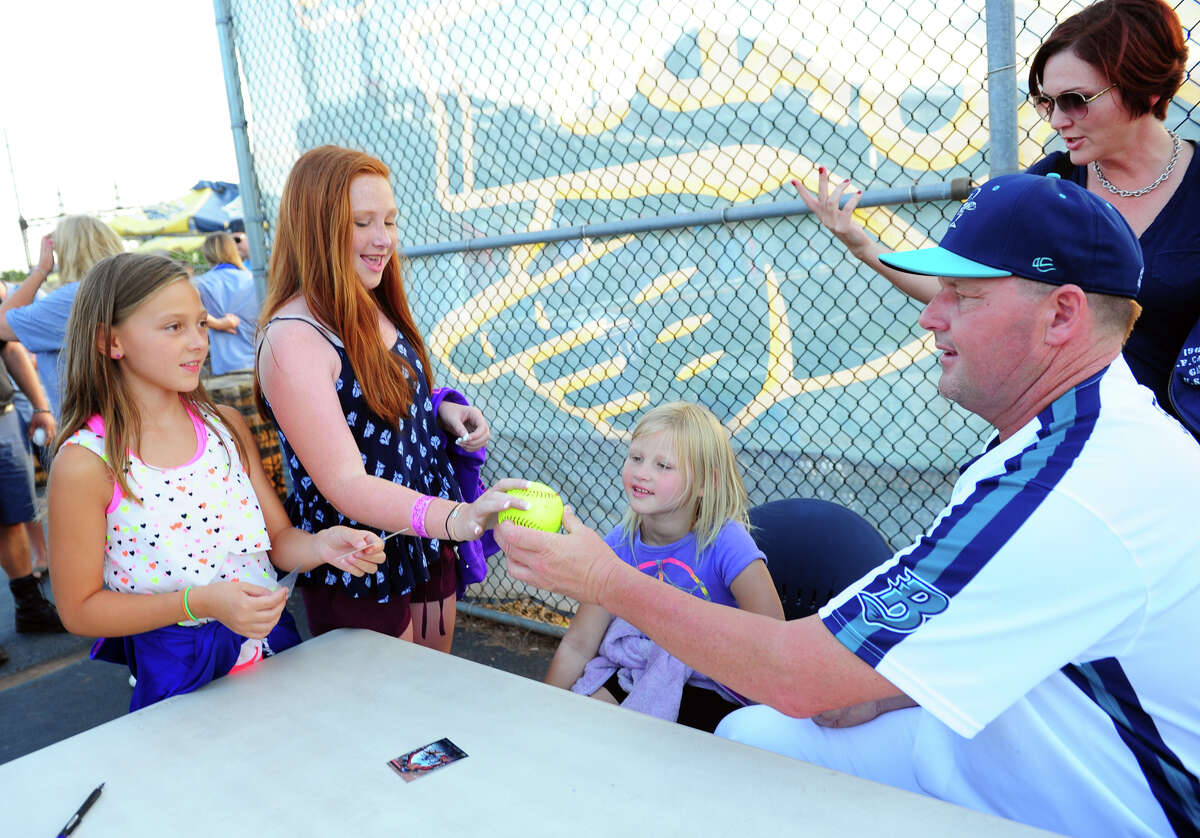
[[1037, 227]]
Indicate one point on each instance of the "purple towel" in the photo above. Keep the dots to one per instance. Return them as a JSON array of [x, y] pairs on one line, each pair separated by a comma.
[[472, 555], [652, 676]]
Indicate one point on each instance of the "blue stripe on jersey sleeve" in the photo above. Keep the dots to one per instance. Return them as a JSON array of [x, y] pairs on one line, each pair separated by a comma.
[[1175, 788], [923, 583]]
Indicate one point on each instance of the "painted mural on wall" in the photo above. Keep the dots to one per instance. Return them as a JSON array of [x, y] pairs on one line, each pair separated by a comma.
[[500, 117]]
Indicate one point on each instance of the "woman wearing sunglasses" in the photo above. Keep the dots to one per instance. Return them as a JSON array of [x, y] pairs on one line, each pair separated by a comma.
[[1104, 79]]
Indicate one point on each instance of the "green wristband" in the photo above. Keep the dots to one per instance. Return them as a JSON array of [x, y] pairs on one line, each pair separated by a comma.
[[187, 610]]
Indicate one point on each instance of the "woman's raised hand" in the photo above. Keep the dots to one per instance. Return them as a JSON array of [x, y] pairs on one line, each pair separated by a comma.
[[826, 205]]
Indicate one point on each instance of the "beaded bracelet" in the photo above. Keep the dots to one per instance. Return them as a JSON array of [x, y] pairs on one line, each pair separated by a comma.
[[418, 516], [187, 610]]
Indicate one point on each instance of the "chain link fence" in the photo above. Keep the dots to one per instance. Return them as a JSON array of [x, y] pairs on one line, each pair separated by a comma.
[[504, 119]]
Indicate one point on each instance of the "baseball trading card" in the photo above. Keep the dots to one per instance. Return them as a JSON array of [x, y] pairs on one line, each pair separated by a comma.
[[421, 761]]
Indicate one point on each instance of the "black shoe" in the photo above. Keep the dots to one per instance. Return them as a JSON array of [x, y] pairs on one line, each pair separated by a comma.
[[3, 656], [35, 614]]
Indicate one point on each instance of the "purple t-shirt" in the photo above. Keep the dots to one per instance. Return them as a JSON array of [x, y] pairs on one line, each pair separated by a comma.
[[709, 576]]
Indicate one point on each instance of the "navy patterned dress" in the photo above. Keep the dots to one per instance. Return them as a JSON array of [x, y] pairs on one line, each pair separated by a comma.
[[413, 455]]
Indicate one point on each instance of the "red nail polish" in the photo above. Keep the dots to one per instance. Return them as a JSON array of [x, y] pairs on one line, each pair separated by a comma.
[[821, 169], [796, 184], [847, 180]]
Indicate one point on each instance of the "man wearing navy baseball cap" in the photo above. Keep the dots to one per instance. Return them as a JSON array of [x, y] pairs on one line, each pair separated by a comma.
[[1039, 637], [1016, 238]]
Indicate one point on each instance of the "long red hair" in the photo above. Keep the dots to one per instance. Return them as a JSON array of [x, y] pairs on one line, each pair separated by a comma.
[[311, 257]]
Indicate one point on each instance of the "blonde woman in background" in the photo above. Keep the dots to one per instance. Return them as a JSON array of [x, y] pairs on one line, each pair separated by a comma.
[[40, 324]]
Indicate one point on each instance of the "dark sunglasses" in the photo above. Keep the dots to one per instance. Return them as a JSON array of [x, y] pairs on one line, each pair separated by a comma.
[[1073, 104]]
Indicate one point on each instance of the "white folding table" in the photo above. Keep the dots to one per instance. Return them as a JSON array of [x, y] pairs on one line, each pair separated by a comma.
[[299, 744]]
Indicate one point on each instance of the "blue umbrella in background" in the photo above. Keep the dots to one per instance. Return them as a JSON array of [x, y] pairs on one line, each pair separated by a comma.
[[180, 224]]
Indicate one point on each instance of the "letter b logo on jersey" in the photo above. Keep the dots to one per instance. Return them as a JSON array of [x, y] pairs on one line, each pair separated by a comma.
[[904, 604]]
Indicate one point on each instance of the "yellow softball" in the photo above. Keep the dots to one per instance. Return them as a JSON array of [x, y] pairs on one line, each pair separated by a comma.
[[545, 508]]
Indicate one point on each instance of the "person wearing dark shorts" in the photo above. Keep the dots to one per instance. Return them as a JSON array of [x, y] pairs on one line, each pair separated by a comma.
[[17, 501]]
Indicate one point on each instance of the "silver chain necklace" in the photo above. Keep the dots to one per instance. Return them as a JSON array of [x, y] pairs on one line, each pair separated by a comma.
[[1166, 173]]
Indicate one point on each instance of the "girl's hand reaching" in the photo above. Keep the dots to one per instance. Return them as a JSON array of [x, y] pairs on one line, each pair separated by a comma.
[[356, 551], [465, 425], [249, 610], [469, 520]]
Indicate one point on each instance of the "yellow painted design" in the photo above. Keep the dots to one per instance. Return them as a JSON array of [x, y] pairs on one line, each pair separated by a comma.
[[726, 79], [593, 96], [682, 328], [662, 284], [539, 316], [693, 368], [771, 167], [486, 345], [315, 15], [603, 371], [780, 381]]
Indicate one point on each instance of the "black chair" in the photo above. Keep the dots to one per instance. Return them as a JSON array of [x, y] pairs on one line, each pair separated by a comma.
[[814, 550]]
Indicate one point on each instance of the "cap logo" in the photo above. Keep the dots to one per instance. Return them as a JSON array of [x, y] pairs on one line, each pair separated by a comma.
[[967, 206], [1043, 264]]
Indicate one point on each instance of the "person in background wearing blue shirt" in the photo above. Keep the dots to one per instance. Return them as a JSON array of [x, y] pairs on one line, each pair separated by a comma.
[[40, 323], [243, 247], [228, 294]]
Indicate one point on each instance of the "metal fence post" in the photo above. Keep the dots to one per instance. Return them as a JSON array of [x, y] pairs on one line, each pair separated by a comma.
[[1002, 87], [247, 182]]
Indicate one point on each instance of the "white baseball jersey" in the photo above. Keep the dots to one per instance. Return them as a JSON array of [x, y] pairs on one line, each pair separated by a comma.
[[1048, 621]]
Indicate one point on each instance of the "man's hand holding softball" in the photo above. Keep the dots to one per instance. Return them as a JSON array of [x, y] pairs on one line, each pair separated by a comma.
[[578, 564]]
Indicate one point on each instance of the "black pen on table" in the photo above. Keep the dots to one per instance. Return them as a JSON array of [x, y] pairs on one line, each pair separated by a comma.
[[80, 812]]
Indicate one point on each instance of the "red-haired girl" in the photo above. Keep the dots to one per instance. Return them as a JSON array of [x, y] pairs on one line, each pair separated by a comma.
[[343, 373]]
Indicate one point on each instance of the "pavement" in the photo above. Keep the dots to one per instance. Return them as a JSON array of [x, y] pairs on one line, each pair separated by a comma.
[[50, 689]]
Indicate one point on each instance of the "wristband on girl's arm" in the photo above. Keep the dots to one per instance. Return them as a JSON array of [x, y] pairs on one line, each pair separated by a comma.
[[187, 610], [418, 516]]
